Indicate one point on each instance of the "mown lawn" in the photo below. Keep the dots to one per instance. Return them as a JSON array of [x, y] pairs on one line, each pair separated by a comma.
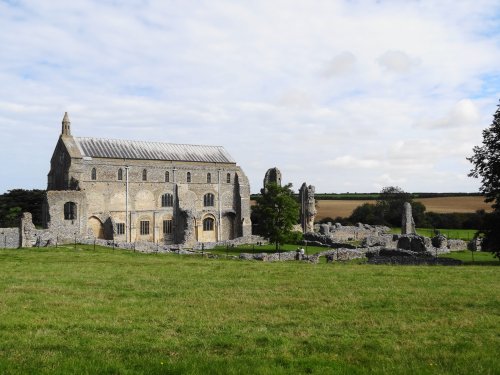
[[117, 312]]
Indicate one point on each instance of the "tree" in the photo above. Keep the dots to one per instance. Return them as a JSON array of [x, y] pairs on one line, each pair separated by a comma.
[[486, 162], [26, 201], [276, 212]]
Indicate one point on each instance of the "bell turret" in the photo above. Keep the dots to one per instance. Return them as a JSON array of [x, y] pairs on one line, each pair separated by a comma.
[[66, 125]]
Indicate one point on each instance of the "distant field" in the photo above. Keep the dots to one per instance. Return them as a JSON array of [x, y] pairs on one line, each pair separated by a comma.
[[344, 208]]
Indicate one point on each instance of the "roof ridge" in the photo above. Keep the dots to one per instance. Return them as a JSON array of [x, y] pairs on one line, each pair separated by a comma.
[[158, 142]]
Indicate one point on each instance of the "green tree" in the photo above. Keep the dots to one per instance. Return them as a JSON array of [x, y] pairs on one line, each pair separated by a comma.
[[276, 211], [486, 162], [26, 201]]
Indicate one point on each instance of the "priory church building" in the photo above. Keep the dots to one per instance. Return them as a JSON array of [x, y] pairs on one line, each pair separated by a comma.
[[145, 191]]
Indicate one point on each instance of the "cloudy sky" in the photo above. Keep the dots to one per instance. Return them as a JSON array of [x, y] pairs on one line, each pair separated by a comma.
[[345, 95]]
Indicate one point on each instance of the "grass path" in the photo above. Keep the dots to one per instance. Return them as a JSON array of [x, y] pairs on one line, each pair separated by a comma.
[[84, 311]]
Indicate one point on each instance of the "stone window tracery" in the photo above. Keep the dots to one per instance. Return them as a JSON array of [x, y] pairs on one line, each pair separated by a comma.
[[144, 229], [208, 200], [208, 224], [167, 200], [167, 226]]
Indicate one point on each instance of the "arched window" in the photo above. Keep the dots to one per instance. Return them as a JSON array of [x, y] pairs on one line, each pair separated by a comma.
[[167, 176], [167, 200], [70, 211], [228, 178], [208, 224], [120, 174], [144, 175], [209, 178], [188, 177], [208, 200], [93, 174]]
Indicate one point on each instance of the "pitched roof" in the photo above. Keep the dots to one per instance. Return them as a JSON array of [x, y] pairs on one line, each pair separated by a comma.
[[122, 149]]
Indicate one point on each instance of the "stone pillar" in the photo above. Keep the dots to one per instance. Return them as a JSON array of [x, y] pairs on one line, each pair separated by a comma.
[[156, 226], [407, 223], [133, 226], [307, 207]]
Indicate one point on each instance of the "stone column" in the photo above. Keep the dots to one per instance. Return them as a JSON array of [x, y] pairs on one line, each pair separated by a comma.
[[407, 223]]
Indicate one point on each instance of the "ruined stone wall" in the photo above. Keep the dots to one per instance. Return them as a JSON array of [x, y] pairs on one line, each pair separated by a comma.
[[57, 225], [338, 232], [9, 238]]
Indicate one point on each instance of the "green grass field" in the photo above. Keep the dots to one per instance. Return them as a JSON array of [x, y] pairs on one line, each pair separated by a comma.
[[116, 312]]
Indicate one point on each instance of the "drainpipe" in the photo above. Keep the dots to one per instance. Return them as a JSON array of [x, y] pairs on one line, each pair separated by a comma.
[[220, 212], [174, 211], [127, 231]]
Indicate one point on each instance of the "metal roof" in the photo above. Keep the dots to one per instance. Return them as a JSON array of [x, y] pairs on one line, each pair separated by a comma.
[[122, 149]]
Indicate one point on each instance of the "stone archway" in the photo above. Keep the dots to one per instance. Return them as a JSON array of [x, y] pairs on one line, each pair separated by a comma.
[[97, 227]]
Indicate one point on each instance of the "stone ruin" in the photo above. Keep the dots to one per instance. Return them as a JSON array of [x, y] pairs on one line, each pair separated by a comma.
[[407, 222], [307, 208], [273, 175]]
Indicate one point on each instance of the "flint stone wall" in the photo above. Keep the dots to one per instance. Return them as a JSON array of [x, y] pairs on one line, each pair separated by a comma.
[[358, 232], [9, 238]]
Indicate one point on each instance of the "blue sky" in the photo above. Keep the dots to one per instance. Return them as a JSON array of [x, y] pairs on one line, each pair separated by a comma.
[[345, 95]]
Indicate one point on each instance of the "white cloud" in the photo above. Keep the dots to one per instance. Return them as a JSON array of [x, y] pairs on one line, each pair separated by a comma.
[[397, 62]]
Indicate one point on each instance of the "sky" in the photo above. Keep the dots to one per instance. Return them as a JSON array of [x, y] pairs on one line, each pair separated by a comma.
[[348, 96]]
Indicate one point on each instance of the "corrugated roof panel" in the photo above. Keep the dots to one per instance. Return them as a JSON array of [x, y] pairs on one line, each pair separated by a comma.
[[122, 149]]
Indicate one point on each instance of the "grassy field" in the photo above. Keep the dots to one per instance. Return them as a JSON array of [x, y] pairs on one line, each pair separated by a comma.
[[65, 311], [344, 208]]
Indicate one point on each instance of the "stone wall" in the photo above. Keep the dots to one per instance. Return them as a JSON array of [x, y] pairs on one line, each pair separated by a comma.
[[358, 232], [9, 238]]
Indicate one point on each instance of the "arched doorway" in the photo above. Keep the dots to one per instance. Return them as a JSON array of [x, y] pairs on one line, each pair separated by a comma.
[[97, 227]]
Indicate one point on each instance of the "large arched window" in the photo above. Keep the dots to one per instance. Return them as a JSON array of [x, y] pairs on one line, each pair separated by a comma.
[[120, 174], [188, 177], [208, 200], [228, 178], [70, 211], [208, 224], [209, 178], [144, 175], [167, 200], [93, 174], [167, 176]]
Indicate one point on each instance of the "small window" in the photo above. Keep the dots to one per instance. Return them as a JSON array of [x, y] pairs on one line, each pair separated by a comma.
[[208, 224], [228, 178], [167, 200], [120, 228], [144, 175], [167, 226], [144, 227], [209, 178], [70, 211], [188, 177], [93, 174], [167, 176], [208, 200], [120, 174]]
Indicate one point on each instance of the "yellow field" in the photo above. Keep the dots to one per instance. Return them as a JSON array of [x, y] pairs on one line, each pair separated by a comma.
[[344, 208]]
